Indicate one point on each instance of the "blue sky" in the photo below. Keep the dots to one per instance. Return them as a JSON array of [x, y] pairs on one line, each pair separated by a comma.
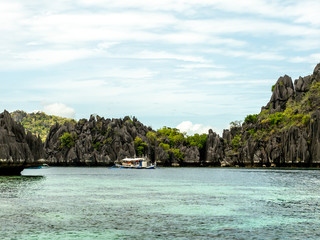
[[196, 64]]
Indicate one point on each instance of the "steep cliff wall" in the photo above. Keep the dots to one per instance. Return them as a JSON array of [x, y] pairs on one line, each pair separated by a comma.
[[17, 149], [93, 142], [287, 130]]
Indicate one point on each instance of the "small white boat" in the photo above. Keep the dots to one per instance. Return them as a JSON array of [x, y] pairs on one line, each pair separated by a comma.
[[45, 165], [39, 167], [136, 163]]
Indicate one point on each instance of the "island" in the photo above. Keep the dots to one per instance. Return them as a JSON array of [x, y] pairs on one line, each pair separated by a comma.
[[286, 133]]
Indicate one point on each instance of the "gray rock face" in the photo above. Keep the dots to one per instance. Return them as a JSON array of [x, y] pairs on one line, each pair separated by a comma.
[[97, 142], [316, 73], [214, 149], [17, 149], [302, 85], [315, 137], [294, 145], [282, 92], [191, 155]]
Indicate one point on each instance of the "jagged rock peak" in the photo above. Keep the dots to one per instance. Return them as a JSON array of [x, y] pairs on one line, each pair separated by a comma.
[[316, 69], [282, 92]]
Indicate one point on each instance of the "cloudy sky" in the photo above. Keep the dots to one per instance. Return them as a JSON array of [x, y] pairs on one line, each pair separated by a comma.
[[196, 64]]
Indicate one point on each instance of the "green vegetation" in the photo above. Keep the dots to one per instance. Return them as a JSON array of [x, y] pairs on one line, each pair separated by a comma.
[[38, 123], [266, 124], [152, 137], [67, 140], [294, 115], [140, 146], [236, 142], [251, 118], [197, 140], [173, 134], [96, 145], [175, 138], [276, 118], [164, 146], [176, 152], [252, 132], [171, 140]]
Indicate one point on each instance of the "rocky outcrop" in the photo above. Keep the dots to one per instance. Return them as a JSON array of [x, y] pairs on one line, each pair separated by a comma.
[[314, 133], [295, 143], [18, 150], [282, 92], [100, 142], [214, 150], [302, 85], [95, 142], [191, 156]]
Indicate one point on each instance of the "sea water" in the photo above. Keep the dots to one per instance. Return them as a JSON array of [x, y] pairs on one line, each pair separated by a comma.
[[165, 203]]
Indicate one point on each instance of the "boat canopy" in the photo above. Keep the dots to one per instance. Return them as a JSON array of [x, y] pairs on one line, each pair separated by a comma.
[[132, 159]]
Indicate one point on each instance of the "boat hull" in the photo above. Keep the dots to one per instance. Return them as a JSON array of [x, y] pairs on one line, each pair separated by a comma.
[[138, 167]]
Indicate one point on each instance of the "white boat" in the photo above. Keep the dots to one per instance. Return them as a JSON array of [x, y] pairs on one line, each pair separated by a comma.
[[39, 167], [136, 163]]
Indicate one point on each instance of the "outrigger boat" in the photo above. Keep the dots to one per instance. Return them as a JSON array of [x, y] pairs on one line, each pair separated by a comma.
[[40, 167], [135, 163]]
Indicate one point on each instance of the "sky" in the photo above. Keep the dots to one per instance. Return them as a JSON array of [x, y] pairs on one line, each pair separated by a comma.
[[191, 64]]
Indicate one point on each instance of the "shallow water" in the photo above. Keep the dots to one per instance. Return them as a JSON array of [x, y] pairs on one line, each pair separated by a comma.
[[165, 203]]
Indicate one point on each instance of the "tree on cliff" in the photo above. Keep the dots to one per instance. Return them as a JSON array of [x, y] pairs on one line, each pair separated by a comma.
[[67, 140], [140, 146]]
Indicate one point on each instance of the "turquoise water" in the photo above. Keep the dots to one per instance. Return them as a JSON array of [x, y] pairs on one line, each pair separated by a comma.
[[165, 203]]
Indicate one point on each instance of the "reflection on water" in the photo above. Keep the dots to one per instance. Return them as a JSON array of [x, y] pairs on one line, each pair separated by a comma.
[[166, 203]]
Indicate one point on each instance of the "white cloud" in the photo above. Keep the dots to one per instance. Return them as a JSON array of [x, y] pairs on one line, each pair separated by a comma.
[[86, 27], [312, 58], [306, 12], [49, 57], [242, 82], [167, 55], [42, 57], [304, 44], [10, 13], [269, 56], [157, 57], [191, 129], [216, 74], [190, 67], [105, 45], [59, 109], [191, 6], [55, 33]]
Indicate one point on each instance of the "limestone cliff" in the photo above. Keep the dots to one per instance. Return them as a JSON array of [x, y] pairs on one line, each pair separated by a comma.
[[286, 132], [95, 142], [17, 149], [99, 142]]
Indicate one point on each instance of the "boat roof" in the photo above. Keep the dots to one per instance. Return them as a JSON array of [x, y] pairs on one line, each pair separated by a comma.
[[132, 159]]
